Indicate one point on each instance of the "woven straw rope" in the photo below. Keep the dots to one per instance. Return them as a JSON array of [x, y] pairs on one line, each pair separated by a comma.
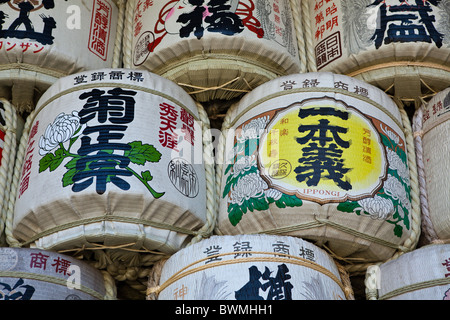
[[8, 157], [427, 224], [154, 289], [309, 36], [354, 268]]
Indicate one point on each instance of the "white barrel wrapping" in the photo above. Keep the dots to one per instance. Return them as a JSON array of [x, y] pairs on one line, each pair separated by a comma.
[[215, 49], [33, 274], [114, 157], [320, 156], [43, 40], [423, 274], [390, 44], [252, 267], [431, 127]]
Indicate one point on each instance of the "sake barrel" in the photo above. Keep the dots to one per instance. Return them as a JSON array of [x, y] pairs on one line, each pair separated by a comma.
[[43, 40], [252, 267], [115, 161], [216, 49], [422, 274], [324, 157], [401, 47], [431, 126], [34, 274]]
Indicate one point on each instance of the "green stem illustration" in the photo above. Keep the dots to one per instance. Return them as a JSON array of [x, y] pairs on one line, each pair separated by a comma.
[[155, 194], [67, 153]]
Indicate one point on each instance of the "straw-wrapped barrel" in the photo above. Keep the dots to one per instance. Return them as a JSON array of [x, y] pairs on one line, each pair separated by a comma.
[[34, 274], [113, 158], [250, 267], [423, 274], [325, 157], [402, 47], [43, 40], [216, 49]]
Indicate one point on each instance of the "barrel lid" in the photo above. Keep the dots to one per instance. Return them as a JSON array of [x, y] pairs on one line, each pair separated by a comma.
[[141, 80], [324, 83]]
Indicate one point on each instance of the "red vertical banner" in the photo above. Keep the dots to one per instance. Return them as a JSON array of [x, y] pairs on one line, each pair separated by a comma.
[[100, 28]]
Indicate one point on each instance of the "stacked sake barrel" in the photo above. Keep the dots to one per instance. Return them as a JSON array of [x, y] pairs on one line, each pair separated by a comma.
[[400, 47], [250, 267], [114, 163], [34, 274], [324, 157], [44, 40], [431, 128], [422, 274], [217, 49]]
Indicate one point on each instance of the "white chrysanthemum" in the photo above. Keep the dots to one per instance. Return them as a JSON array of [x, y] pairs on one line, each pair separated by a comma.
[[396, 163], [249, 186], [394, 188], [61, 130], [378, 207], [274, 193], [254, 129], [244, 163]]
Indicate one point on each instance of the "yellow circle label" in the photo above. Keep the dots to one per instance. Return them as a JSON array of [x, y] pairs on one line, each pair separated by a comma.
[[324, 150]]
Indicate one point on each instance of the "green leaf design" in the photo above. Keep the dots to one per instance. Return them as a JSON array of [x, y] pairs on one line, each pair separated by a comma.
[[288, 201], [228, 169], [146, 175], [67, 178], [398, 230], [141, 153], [235, 213], [51, 161], [348, 206]]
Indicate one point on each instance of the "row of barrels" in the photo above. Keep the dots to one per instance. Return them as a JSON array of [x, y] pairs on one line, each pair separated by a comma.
[[329, 160]]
